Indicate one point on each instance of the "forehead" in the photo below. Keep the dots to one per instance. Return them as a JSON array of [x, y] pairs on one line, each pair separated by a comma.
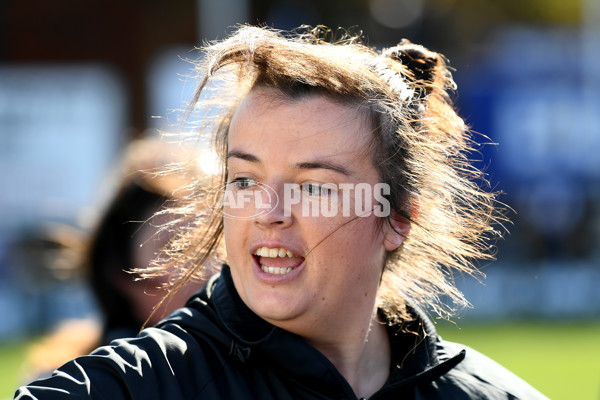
[[269, 112]]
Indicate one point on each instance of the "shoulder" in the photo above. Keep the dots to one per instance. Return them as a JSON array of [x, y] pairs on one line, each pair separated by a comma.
[[170, 361], [481, 377]]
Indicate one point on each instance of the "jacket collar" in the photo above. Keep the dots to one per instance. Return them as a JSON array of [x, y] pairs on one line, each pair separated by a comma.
[[242, 323], [418, 355]]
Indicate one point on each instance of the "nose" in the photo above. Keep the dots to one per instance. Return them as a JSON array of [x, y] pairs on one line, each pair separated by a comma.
[[275, 214]]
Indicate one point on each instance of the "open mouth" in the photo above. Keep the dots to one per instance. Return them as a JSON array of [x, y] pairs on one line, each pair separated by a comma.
[[277, 260]]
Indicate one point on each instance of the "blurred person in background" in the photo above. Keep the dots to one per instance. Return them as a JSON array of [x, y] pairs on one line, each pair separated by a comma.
[[309, 305], [128, 237]]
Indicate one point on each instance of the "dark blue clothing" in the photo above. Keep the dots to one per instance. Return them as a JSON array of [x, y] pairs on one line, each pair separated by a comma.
[[217, 348]]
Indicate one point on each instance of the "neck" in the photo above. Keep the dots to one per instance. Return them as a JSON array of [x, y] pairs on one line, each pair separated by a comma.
[[363, 359]]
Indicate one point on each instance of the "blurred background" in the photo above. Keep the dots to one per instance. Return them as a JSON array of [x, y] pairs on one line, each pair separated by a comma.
[[81, 80]]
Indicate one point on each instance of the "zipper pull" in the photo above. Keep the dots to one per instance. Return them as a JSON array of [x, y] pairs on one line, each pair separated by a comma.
[[241, 352]]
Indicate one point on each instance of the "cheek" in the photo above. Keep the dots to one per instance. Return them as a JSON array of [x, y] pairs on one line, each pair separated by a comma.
[[232, 229], [231, 237], [227, 229], [236, 236], [366, 244], [364, 231], [358, 242]]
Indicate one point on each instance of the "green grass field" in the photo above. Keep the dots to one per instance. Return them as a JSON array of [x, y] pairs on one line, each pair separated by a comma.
[[562, 360], [11, 356]]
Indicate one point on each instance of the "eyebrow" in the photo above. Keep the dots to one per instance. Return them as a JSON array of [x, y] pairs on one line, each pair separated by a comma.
[[242, 156], [317, 164], [323, 165]]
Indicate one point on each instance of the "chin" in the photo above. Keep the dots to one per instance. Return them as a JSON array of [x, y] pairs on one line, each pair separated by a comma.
[[275, 310]]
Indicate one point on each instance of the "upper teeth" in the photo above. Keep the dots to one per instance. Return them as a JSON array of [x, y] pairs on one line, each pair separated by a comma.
[[273, 252]]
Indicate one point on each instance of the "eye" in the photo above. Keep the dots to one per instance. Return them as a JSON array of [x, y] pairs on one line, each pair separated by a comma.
[[318, 190], [242, 183]]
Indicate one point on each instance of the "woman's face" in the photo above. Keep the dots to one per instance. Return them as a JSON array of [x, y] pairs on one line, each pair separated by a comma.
[[314, 264]]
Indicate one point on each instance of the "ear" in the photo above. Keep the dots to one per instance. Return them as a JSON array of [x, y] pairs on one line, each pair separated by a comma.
[[396, 231]]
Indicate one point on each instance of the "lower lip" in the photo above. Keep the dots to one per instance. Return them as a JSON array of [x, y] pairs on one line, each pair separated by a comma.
[[275, 279]]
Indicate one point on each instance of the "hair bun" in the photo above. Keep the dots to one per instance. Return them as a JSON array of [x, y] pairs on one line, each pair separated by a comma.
[[417, 59]]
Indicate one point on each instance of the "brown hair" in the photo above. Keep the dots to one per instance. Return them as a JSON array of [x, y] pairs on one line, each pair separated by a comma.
[[419, 144]]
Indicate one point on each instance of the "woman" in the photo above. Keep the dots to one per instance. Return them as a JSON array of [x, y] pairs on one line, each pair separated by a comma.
[[127, 236], [348, 203]]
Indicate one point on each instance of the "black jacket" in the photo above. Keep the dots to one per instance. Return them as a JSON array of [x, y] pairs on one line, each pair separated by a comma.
[[216, 348]]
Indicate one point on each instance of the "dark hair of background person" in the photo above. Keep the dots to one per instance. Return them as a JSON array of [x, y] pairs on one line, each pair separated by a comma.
[[112, 252], [127, 236]]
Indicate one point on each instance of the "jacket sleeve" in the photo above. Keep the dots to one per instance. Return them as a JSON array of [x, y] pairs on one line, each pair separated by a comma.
[[481, 377], [151, 366]]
